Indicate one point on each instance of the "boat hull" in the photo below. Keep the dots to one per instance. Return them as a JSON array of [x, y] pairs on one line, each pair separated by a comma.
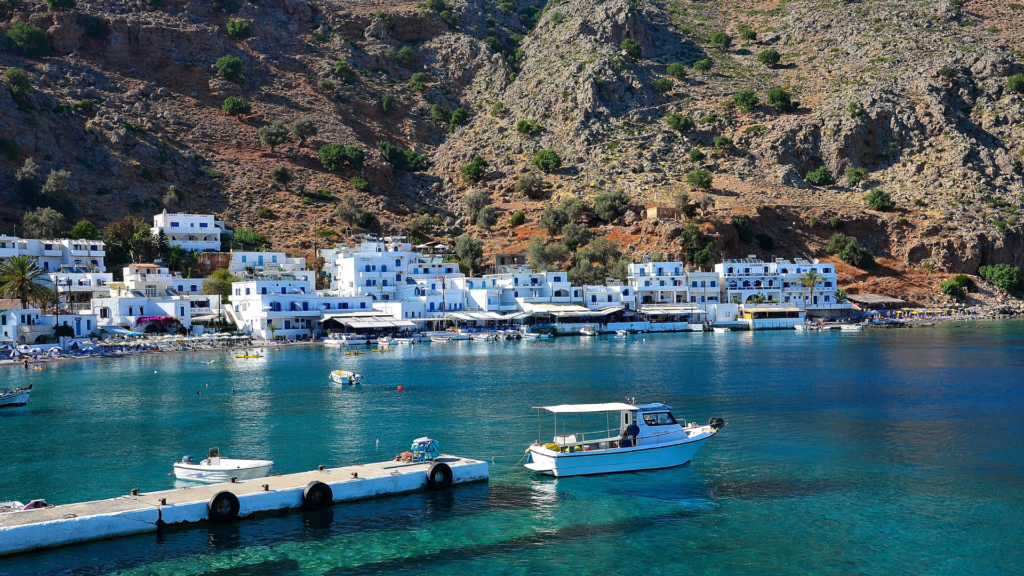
[[13, 400], [650, 457], [197, 473]]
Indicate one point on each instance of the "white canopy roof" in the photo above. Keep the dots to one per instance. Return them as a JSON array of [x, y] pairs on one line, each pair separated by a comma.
[[583, 408]]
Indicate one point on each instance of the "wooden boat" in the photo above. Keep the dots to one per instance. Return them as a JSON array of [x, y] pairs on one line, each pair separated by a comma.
[[16, 397]]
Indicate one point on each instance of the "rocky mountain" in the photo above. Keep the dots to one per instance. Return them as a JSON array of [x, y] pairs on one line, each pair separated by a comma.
[[795, 109]]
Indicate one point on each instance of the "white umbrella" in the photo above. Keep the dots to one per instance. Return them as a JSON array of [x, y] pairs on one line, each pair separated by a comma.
[[36, 350], [6, 347], [88, 349]]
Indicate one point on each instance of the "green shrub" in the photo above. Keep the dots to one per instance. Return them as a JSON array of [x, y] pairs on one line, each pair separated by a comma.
[[28, 40], [679, 123], [747, 34], [487, 217], [401, 158], [723, 144], [903, 222], [849, 250], [531, 185], [418, 81], [236, 106], [820, 177], [696, 155], [264, 212], [949, 288], [880, 200], [459, 117], [83, 105], [557, 18], [518, 218], [405, 56], [281, 174], [1015, 84], [765, 242], [662, 85], [273, 134], [769, 57], [814, 222], [475, 170], [710, 118], [855, 176], [336, 156], [303, 128], [343, 70], [702, 65], [18, 81], [497, 109], [387, 103], [547, 160], [721, 40], [610, 205], [946, 72], [780, 99], [743, 229], [631, 47], [9, 149], [677, 70], [239, 29], [61, 4], [855, 110], [745, 100], [528, 127], [700, 179], [360, 184], [1007, 278], [438, 113], [836, 223], [229, 67], [326, 85]]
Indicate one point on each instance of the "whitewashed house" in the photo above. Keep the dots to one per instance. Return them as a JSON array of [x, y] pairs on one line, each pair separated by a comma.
[[51, 255], [193, 232]]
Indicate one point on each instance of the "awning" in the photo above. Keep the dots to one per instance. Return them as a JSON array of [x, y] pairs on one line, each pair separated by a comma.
[[584, 408], [373, 322], [558, 310], [117, 330], [771, 309], [670, 310], [606, 311], [204, 317], [473, 316]]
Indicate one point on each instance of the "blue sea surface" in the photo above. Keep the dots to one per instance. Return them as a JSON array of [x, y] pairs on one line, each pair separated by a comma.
[[878, 452]]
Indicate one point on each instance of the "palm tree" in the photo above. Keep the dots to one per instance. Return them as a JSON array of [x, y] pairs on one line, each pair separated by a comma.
[[20, 278], [809, 280]]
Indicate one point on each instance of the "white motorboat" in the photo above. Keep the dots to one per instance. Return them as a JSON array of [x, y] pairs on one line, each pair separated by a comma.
[[645, 437], [852, 327], [441, 339], [16, 397], [622, 332], [346, 377], [803, 327], [483, 337], [384, 341], [588, 330], [402, 340], [217, 469], [345, 340], [720, 330]]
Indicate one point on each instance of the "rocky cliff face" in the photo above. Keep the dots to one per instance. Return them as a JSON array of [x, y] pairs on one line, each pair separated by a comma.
[[913, 97]]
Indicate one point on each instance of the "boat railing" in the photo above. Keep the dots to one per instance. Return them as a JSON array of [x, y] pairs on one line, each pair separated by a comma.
[[587, 437]]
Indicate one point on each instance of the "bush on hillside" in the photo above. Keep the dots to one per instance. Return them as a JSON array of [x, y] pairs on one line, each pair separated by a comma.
[[662, 85], [236, 106], [677, 70], [229, 67], [336, 156], [610, 205], [780, 99], [880, 200], [343, 70], [1007, 278], [475, 170], [743, 229], [820, 176], [631, 47], [769, 57], [679, 123], [700, 179], [721, 40], [702, 65], [531, 185], [547, 160], [239, 29], [745, 100], [28, 40]]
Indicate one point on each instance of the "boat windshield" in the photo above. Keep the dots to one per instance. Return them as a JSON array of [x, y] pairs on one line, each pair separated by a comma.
[[659, 419]]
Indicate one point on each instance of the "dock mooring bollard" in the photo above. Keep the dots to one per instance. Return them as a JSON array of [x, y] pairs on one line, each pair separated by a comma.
[[355, 474], [266, 487], [163, 501], [135, 491], [234, 479], [321, 467]]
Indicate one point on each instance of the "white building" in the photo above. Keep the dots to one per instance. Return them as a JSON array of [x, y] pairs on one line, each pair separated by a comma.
[[604, 297], [193, 232], [78, 285], [27, 326], [750, 279], [52, 254], [378, 268], [659, 282], [252, 261], [284, 305]]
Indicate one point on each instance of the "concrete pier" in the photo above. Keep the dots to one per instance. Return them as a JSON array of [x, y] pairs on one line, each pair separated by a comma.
[[147, 512]]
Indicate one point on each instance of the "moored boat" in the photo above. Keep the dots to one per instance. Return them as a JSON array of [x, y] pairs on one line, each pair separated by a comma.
[[721, 330], [217, 469], [441, 339], [483, 337], [345, 340], [16, 397], [646, 437], [588, 330], [622, 332], [851, 327], [346, 377]]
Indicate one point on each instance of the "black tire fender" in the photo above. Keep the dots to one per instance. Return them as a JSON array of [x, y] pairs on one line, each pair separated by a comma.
[[223, 507], [317, 496], [439, 476]]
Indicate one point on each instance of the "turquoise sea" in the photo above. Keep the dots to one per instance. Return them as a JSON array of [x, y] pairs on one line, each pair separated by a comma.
[[879, 452]]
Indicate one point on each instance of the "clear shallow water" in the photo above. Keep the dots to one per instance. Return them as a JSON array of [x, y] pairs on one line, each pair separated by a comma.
[[882, 452]]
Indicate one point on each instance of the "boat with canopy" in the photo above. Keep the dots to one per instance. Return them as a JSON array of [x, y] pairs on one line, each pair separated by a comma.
[[643, 437]]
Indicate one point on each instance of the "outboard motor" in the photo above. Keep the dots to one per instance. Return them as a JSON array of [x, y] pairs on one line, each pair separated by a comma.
[[716, 423], [187, 460]]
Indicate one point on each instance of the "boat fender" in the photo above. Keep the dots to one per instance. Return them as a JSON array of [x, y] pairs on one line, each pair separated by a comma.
[[317, 496], [716, 423], [223, 507], [634, 430], [439, 476]]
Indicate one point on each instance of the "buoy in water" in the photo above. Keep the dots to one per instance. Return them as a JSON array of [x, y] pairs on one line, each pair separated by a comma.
[[154, 371], [400, 388], [198, 392]]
